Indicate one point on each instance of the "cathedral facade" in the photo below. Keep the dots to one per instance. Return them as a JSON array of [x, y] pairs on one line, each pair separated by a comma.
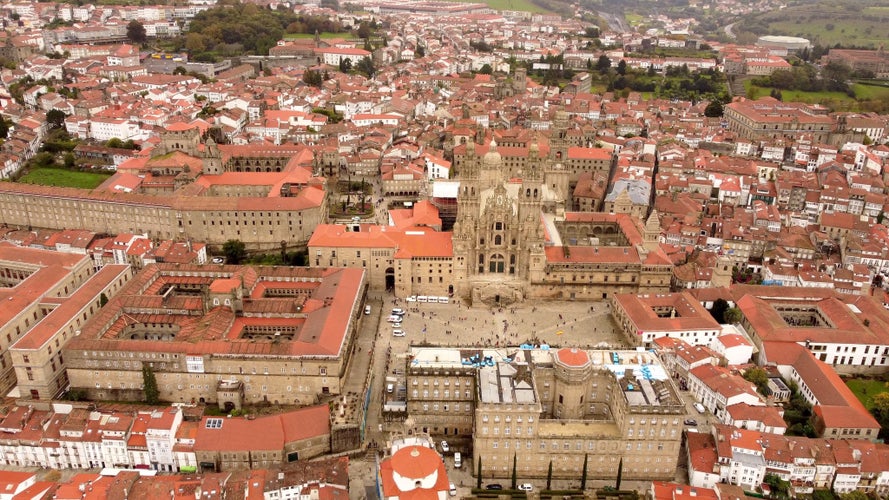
[[513, 238]]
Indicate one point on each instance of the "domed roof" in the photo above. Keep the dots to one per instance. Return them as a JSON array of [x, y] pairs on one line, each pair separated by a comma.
[[492, 157], [415, 462], [573, 357]]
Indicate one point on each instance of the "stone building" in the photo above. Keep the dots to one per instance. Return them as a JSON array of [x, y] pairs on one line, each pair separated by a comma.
[[543, 406], [227, 444], [285, 333], [45, 297], [188, 193]]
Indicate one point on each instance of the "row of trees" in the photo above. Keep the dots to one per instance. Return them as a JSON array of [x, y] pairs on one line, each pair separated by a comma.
[[549, 473], [834, 76]]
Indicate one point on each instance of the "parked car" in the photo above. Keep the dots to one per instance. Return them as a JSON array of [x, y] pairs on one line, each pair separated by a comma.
[[394, 319], [218, 260], [412, 298], [366, 309], [691, 421], [526, 487], [494, 486], [397, 311], [396, 325], [452, 490], [699, 407], [444, 447], [458, 460], [398, 333]]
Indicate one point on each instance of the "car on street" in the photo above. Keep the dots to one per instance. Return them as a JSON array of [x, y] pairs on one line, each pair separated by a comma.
[[218, 260], [494, 486], [398, 333], [394, 319], [396, 325], [412, 298], [444, 447], [452, 490], [397, 311], [526, 487], [691, 421], [367, 309]]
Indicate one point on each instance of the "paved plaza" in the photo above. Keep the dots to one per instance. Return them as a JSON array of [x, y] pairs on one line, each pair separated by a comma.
[[557, 324]]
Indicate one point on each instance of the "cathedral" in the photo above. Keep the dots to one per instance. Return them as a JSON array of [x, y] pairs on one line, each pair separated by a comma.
[[513, 238]]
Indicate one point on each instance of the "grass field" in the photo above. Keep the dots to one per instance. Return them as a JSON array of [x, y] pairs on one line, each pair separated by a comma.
[[866, 389], [848, 22], [870, 91], [63, 178], [837, 101]]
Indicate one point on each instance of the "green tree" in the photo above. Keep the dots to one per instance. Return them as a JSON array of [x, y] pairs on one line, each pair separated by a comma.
[[364, 30], [620, 473], [515, 476], [486, 69], [714, 109], [234, 251], [854, 495], [478, 473], [758, 377], [720, 306], [345, 65], [603, 64], [114, 142], [366, 66], [149, 385], [549, 476], [56, 118], [732, 316], [136, 32], [68, 160], [880, 411], [622, 67], [195, 43], [584, 472]]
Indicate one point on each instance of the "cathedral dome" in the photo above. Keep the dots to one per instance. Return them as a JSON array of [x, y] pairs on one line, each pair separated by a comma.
[[492, 157]]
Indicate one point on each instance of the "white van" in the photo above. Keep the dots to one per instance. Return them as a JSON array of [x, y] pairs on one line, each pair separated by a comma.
[[367, 310], [699, 407], [458, 460], [390, 387], [422, 298], [443, 300]]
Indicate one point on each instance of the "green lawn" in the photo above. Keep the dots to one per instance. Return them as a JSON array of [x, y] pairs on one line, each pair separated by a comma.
[[63, 178], [836, 101], [863, 91], [866, 389]]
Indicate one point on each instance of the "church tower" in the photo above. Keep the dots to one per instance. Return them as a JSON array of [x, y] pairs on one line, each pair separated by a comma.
[[212, 161], [466, 225], [559, 138], [651, 232]]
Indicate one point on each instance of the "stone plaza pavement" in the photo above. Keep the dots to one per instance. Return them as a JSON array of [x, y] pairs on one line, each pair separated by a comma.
[[558, 324]]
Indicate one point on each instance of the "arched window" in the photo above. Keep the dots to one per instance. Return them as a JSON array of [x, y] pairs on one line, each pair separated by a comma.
[[496, 264], [498, 240], [498, 226], [481, 264], [512, 264]]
